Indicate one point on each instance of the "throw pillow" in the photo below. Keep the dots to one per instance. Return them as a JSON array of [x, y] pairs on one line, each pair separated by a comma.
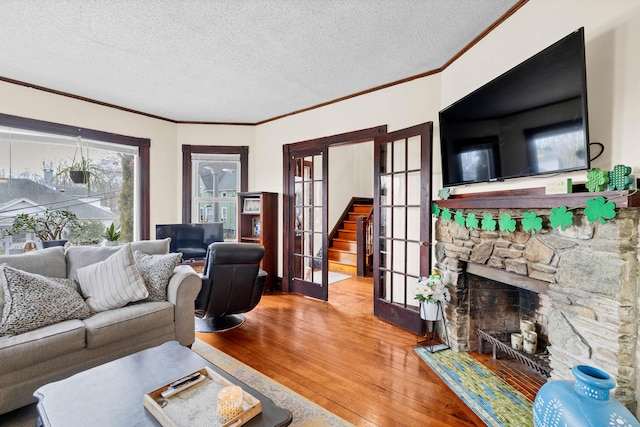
[[156, 271], [112, 283], [32, 301]]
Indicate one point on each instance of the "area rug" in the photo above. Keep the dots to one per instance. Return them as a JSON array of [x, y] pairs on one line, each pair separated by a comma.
[[305, 412], [489, 396]]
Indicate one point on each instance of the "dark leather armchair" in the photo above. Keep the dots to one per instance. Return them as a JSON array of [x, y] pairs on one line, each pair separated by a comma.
[[232, 283]]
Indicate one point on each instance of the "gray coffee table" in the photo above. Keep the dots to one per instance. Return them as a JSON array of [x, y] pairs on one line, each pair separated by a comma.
[[111, 394]]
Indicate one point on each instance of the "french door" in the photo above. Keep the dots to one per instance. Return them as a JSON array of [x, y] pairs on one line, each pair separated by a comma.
[[309, 250], [402, 222], [305, 211]]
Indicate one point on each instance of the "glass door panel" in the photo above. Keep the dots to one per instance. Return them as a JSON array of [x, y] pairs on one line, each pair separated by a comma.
[[402, 223], [309, 247]]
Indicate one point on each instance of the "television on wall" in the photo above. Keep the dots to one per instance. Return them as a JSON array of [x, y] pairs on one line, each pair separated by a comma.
[[531, 120], [191, 239]]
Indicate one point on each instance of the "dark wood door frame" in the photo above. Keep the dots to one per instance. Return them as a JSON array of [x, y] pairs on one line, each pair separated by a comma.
[[299, 149]]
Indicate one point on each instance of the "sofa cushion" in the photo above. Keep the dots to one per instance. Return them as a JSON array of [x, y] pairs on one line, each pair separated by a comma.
[[112, 283], [48, 262], [46, 343], [156, 271], [122, 323], [81, 256], [32, 301]]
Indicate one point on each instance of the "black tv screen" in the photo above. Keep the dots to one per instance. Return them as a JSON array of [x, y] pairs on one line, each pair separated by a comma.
[[191, 239], [531, 120]]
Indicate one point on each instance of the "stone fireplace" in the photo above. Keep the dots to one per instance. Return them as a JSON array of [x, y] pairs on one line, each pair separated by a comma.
[[580, 287]]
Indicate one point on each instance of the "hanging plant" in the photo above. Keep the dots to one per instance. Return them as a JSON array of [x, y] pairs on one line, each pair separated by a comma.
[[80, 176], [82, 170]]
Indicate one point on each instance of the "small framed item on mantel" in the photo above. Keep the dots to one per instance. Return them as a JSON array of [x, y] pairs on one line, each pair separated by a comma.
[[251, 206]]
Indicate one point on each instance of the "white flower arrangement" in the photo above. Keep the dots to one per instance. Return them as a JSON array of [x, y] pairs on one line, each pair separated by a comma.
[[432, 290]]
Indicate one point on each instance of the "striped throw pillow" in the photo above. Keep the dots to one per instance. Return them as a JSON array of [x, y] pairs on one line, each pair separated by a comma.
[[112, 283]]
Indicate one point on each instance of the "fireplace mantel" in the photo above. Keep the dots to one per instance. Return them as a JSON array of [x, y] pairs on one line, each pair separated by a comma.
[[535, 198], [585, 278]]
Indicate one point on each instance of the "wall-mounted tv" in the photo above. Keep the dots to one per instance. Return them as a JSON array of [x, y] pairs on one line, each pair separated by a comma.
[[531, 120], [191, 239]]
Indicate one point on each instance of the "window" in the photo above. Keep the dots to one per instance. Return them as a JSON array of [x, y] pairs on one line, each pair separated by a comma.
[[36, 159], [212, 179]]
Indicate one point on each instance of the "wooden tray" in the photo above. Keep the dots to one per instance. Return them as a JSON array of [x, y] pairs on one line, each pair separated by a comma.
[[196, 405]]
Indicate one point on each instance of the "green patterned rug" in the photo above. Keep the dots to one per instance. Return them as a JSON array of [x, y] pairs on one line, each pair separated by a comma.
[[489, 396]]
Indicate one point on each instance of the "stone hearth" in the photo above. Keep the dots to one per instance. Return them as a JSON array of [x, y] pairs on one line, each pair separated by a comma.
[[586, 278]]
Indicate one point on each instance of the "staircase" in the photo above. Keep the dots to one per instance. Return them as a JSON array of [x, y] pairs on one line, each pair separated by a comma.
[[342, 251]]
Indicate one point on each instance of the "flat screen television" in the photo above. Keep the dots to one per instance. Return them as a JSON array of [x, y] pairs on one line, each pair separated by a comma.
[[191, 239], [531, 120]]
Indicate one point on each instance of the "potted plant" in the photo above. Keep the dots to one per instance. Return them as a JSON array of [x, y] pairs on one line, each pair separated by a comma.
[[88, 232], [432, 293], [47, 226], [112, 235], [82, 170]]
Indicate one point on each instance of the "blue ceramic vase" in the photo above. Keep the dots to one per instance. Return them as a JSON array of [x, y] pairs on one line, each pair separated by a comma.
[[583, 402]]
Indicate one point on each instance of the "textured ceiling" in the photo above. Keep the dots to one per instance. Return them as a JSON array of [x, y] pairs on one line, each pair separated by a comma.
[[233, 61]]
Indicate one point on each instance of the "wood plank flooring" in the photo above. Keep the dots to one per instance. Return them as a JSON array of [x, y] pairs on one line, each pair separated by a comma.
[[340, 356]]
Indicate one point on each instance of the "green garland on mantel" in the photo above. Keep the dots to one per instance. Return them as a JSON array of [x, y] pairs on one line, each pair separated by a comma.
[[596, 209]]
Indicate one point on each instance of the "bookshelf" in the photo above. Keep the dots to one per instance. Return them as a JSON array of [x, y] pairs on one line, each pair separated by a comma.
[[258, 223]]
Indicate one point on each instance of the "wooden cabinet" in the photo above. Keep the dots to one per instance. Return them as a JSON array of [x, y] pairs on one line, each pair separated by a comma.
[[258, 223]]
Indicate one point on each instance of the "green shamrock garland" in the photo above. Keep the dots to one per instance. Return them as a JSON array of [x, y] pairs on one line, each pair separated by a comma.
[[531, 222], [488, 223], [561, 218], [597, 209], [507, 224], [471, 222], [435, 209]]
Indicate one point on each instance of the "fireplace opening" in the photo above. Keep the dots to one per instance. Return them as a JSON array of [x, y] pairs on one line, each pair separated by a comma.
[[497, 310]]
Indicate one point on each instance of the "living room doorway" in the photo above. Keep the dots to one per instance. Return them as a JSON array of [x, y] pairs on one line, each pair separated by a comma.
[[306, 214], [402, 225]]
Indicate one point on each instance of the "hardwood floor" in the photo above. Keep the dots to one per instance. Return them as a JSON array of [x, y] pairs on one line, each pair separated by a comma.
[[340, 356]]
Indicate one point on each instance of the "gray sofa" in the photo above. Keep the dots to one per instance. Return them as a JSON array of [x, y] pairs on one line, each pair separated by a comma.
[[31, 359]]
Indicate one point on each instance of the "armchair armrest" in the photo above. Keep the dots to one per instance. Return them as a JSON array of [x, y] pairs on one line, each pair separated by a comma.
[[182, 291]]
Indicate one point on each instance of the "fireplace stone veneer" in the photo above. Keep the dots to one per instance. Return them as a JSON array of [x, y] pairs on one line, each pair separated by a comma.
[[586, 277]]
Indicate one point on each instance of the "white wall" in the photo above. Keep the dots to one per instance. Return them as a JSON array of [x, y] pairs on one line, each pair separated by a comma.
[[350, 175]]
